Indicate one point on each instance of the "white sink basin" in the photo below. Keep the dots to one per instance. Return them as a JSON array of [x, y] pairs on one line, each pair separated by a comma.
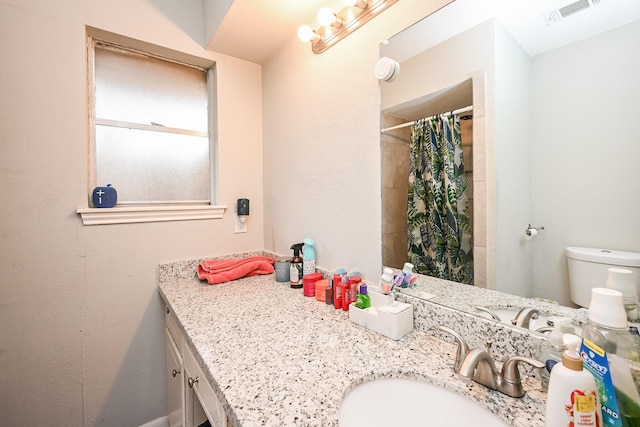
[[403, 402]]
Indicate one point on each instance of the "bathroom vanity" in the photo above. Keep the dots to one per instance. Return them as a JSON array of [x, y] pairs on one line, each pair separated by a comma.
[[254, 352]]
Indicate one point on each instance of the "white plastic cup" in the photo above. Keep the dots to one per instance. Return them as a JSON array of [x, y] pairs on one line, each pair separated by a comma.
[[607, 308], [622, 280]]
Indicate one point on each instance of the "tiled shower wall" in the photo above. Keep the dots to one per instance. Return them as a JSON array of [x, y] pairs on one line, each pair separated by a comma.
[[394, 150]]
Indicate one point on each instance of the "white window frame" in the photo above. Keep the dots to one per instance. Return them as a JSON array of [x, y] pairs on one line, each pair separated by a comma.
[[149, 212]]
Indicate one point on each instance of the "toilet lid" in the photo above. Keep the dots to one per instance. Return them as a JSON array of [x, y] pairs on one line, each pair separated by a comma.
[[604, 256]]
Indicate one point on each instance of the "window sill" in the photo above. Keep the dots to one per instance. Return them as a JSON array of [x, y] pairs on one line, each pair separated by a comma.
[[128, 214]]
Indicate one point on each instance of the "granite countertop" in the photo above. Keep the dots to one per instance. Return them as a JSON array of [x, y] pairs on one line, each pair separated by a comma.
[[277, 358]]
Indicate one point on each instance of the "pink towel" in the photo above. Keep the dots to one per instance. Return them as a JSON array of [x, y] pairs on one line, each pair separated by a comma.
[[223, 270]]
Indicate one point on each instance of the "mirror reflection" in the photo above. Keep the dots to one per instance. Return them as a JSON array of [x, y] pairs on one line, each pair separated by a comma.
[[549, 141]]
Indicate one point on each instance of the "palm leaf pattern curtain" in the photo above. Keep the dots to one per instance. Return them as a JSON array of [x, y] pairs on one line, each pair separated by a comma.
[[439, 224]]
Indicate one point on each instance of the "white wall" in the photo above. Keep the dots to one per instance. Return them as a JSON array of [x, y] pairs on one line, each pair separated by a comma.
[[509, 167], [322, 144], [586, 151], [81, 324]]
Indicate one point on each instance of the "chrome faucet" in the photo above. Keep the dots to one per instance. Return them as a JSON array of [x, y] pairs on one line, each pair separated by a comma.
[[493, 315], [524, 316], [478, 365], [462, 348]]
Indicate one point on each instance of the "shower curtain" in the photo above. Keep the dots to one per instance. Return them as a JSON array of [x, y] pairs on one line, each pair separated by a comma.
[[439, 229]]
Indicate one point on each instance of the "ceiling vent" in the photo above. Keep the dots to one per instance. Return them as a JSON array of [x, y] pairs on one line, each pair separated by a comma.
[[557, 15]]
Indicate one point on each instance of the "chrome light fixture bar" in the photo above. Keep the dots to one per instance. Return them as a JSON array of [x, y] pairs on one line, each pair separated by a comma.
[[336, 26]]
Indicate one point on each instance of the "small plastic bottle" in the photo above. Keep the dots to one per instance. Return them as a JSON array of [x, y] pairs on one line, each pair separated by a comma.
[[407, 268], [346, 293], [363, 300], [338, 292], [386, 281], [355, 279], [328, 292], [407, 274]]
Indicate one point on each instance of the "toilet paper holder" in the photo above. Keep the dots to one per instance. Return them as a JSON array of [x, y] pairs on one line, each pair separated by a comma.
[[531, 232]]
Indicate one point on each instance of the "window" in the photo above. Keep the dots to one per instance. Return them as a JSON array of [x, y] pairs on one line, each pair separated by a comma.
[[150, 136]]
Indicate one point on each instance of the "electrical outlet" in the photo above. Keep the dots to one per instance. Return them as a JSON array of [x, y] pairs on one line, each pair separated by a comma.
[[239, 226]]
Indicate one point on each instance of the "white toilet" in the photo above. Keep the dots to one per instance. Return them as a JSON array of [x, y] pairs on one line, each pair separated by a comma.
[[588, 269]]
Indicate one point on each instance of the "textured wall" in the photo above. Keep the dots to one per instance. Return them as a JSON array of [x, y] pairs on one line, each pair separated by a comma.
[[81, 324]]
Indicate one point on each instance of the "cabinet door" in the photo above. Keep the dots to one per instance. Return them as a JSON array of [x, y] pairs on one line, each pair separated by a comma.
[[194, 412], [175, 383], [201, 402]]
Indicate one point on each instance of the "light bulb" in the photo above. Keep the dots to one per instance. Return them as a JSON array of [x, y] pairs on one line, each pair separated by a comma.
[[326, 16], [305, 33]]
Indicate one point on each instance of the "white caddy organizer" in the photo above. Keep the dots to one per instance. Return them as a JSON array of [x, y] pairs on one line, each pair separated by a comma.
[[386, 316]]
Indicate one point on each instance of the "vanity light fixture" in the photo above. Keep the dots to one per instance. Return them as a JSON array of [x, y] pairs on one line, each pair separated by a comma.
[[360, 4], [326, 17], [308, 34], [336, 26]]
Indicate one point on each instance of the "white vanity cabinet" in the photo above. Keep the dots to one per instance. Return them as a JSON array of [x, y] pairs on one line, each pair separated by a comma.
[[190, 398]]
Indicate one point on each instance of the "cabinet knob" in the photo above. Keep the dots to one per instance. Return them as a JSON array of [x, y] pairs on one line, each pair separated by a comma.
[[192, 381], [175, 372]]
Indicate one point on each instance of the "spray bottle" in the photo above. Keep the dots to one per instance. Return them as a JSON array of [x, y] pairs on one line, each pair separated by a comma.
[[295, 271]]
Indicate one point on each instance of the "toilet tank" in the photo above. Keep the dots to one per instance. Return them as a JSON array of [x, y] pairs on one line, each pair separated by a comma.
[[588, 269]]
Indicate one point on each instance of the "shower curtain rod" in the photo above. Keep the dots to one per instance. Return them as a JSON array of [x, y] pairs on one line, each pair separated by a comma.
[[458, 111]]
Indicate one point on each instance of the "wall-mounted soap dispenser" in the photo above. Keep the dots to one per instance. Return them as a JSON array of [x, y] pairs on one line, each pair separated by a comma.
[[242, 213]]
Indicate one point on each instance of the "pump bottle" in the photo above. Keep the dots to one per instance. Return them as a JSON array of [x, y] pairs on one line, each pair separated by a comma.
[[551, 355], [573, 397], [552, 352]]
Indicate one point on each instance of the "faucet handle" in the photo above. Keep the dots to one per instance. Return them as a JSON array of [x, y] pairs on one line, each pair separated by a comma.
[[511, 374], [462, 348]]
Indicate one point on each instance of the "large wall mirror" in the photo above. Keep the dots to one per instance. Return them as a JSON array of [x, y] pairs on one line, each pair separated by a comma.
[[551, 139]]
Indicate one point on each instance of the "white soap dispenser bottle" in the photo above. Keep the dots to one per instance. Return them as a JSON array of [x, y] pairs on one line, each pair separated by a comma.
[[572, 399]]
